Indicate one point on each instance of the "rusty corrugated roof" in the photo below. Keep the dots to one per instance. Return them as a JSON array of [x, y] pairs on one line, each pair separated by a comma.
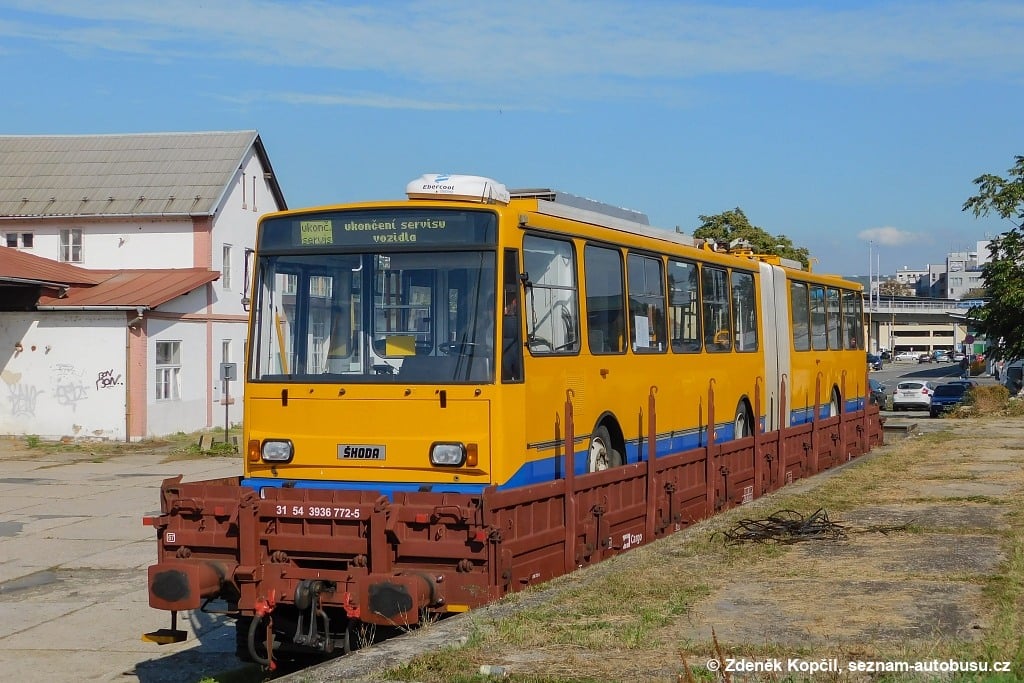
[[146, 288], [154, 174], [18, 265], [81, 287]]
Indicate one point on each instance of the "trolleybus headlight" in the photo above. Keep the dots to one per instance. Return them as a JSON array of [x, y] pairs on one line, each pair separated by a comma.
[[277, 451], [447, 454]]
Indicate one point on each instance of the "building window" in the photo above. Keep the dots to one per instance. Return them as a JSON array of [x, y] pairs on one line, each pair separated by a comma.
[[225, 351], [19, 240], [71, 245], [225, 268], [168, 371]]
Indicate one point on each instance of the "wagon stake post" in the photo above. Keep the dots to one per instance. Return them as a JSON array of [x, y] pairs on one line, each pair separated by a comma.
[[570, 486], [652, 465]]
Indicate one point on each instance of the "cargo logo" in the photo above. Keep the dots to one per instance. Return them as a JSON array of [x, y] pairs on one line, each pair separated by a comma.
[[630, 540]]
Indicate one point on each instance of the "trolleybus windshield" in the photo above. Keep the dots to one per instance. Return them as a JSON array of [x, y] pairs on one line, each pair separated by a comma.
[[420, 315]]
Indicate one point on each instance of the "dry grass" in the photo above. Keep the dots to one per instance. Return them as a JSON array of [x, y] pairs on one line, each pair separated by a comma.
[[947, 580], [180, 446], [989, 401]]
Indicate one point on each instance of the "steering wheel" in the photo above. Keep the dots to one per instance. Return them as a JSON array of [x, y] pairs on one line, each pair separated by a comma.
[[464, 348]]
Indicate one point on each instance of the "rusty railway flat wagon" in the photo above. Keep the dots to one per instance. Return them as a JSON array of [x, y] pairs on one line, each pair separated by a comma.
[[294, 554], [473, 390]]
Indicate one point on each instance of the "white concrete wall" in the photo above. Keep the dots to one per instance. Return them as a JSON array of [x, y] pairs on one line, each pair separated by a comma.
[[235, 334], [68, 379], [188, 413], [109, 244], [248, 197], [149, 243]]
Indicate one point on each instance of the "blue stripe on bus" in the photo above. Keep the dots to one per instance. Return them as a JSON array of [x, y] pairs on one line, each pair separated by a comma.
[[388, 488], [545, 469]]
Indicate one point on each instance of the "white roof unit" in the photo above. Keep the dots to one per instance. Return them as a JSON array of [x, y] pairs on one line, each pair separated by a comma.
[[471, 188]]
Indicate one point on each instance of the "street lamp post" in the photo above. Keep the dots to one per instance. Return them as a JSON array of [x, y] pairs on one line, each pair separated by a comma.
[[871, 293]]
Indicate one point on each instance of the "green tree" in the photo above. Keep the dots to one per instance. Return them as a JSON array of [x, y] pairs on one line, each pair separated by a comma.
[[1000, 317], [727, 226], [894, 288]]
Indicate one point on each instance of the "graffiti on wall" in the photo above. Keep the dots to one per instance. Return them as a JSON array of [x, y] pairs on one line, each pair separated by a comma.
[[106, 379], [22, 397], [67, 386]]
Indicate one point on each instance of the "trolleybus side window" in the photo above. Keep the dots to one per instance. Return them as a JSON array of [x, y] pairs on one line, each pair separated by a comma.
[[511, 322], [718, 332], [834, 321], [646, 304], [683, 311], [744, 305], [801, 316], [552, 318], [819, 341], [606, 309], [853, 315]]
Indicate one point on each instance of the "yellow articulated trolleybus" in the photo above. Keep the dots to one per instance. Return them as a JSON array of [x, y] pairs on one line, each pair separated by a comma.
[[472, 391]]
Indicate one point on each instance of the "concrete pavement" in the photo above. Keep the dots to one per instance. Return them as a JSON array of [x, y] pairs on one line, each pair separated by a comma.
[[73, 559]]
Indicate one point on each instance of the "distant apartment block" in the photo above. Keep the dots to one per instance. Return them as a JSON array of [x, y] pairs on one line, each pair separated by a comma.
[[954, 279]]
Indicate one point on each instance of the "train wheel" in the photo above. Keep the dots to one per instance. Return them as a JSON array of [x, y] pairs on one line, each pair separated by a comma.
[[743, 425], [602, 455]]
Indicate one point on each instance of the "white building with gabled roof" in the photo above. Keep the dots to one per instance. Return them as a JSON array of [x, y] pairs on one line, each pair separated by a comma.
[[123, 269]]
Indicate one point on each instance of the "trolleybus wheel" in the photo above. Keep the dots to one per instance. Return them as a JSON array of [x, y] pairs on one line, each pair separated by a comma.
[[602, 454], [743, 423]]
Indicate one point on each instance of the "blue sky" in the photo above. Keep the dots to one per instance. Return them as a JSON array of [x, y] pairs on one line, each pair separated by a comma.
[[846, 126]]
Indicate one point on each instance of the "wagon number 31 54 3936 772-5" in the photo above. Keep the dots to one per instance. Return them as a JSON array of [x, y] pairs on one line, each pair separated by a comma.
[[317, 511]]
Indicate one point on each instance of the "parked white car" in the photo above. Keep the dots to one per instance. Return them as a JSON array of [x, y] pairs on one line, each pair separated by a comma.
[[913, 395], [907, 355]]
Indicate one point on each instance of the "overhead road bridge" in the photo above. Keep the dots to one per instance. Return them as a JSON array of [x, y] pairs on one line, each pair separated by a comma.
[[917, 324]]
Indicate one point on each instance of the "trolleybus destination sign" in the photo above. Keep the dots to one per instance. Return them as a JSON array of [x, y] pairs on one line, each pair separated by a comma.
[[379, 229]]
